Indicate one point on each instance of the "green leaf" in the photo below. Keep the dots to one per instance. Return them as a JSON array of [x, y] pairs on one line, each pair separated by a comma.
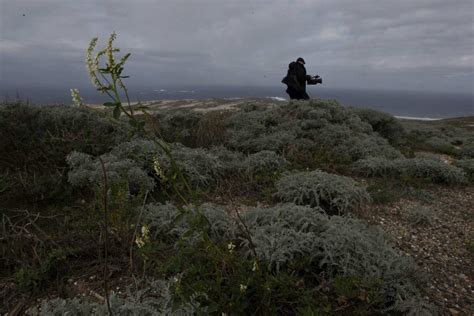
[[124, 59], [117, 112]]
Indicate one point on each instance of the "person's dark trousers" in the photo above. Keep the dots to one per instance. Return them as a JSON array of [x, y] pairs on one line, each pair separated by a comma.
[[297, 95]]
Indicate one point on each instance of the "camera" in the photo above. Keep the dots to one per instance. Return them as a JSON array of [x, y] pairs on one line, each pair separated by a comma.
[[314, 79]]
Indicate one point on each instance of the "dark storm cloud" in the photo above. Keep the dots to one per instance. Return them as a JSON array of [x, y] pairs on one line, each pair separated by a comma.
[[384, 44]]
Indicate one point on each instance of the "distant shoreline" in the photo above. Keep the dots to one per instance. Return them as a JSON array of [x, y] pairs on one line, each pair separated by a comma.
[[205, 105]]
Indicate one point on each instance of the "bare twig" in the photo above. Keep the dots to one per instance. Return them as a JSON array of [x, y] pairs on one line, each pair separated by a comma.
[[246, 230]]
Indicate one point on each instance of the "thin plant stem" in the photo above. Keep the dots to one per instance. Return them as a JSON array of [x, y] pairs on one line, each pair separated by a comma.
[[136, 230], [106, 237]]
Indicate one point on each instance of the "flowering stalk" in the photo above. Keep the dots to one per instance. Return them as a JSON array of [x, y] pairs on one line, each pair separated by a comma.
[[76, 98]]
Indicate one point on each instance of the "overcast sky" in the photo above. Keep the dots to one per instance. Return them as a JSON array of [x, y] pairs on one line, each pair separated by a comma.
[[391, 44]]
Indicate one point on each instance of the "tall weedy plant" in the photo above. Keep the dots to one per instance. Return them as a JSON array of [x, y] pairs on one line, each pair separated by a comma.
[[106, 74]]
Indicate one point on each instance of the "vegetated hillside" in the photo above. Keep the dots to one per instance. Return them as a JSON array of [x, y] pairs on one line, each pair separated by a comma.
[[251, 207]]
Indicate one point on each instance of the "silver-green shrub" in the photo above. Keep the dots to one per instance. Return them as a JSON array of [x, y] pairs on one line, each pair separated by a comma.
[[428, 155], [467, 150], [339, 246], [153, 298], [284, 233], [468, 166], [431, 170], [349, 247], [383, 123], [86, 170], [374, 167], [200, 166], [230, 162], [365, 146], [420, 215], [441, 144], [333, 129], [331, 192], [166, 221], [263, 162], [415, 168]]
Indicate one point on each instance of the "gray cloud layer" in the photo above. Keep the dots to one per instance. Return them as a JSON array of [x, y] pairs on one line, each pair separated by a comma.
[[405, 44]]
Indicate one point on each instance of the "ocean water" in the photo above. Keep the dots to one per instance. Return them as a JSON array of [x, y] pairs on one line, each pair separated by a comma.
[[400, 103]]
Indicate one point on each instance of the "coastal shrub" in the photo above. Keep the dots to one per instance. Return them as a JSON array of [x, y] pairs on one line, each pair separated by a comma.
[[419, 215], [384, 124], [211, 129], [168, 223], [467, 150], [441, 145], [178, 125], [153, 297], [350, 248], [333, 193], [36, 140], [284, 233], [342, 247], [427, 155], [86, 171], [468, 166], [230, 162], [430, 170], [127, 184], [314, 134], [375, 167], [366, 146], [200, 166], [37, 135], [410, 169], [263, 162]]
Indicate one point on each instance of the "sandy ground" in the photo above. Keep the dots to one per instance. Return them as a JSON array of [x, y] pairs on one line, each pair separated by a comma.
[[205, 105]]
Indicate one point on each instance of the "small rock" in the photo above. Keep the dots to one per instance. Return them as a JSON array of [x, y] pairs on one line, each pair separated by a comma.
[[453, 311]]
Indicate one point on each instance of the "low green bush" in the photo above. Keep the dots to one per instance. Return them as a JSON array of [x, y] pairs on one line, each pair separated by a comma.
[[36, 140], [441, 145], [341, 247], [263, 163], [418, 215], [468, 166], [384, 124], [39, 135], [334, 193], [410, 169], [430, 170], [169, 223], [308, 134], [86, 171], [152, 297], [467, 150]]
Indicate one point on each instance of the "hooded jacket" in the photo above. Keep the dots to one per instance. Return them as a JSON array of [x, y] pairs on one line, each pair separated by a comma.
[[296, 77]]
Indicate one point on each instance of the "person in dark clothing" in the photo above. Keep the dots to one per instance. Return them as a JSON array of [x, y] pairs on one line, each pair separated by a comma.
[[296, 80]]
